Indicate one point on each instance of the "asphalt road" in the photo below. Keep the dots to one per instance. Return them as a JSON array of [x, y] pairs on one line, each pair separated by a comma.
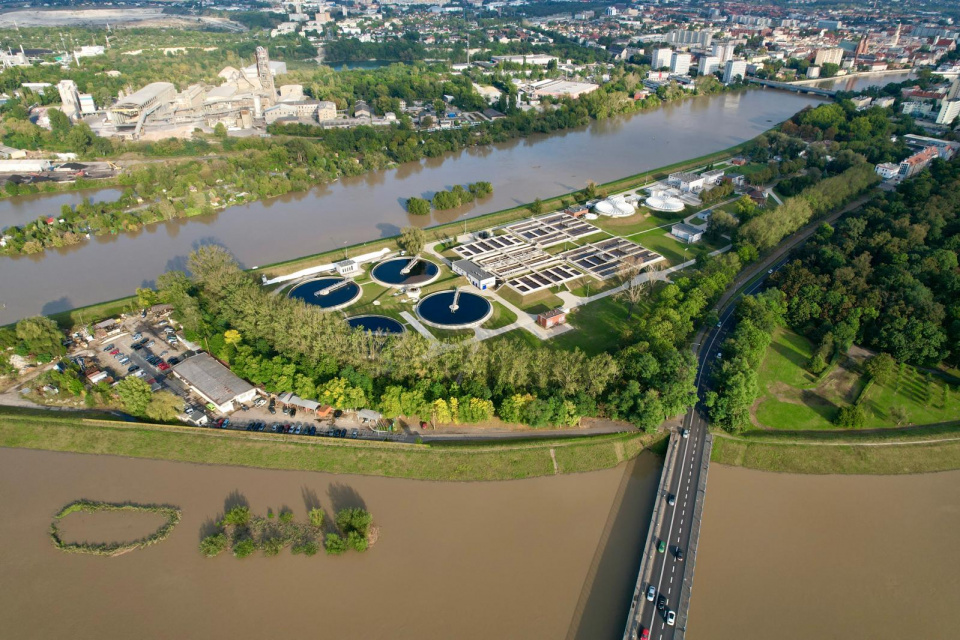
[[675, 528]]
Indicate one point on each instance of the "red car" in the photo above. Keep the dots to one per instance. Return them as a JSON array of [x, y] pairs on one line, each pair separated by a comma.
[[163, 366], [115, 352], [645, 634]]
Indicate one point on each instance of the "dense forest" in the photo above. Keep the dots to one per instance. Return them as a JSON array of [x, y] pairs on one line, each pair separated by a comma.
[[886, 276]]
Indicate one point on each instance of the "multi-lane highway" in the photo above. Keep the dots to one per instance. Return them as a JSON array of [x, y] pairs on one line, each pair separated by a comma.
[[678, 522]]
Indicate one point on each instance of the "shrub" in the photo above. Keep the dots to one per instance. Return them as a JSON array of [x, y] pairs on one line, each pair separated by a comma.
[[354, 520], [334, 545], [273, 546], [306, 547], [244, 548], [356, 541], [237, 516], [214, 544], [851, 417], [286, 516], [418, 206], [316, 517]]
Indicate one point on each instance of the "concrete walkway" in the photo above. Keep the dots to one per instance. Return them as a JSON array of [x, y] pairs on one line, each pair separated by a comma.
[[422, 330]]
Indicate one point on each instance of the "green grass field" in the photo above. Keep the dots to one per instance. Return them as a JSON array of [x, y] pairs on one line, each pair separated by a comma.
[[793, 399], [448, 462], [844, 459], [599, 326]]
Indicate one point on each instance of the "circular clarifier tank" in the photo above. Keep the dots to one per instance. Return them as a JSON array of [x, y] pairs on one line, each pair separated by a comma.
[[454, 309], [327, 293], [376, 324], [402, 272]]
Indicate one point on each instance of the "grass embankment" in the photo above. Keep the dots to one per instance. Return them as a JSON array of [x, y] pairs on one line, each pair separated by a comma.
[[835, 458], [449, 462], [793, 399]]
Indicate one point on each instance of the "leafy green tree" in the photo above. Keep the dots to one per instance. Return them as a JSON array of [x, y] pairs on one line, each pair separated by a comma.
[[135, 395], [214, 544], [536, 207], [164, 406], [851, 417], [881, 368], [244, 548], [412, 240], [237, 516], [41, 336], [334, 545], [220, 131], [418, 206]]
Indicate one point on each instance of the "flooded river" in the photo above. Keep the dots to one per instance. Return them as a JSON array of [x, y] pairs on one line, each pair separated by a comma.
[[544, 558], [854, 557], [370, 207]]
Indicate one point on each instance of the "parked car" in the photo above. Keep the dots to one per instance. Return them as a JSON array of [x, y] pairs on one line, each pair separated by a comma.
[[259, 402], [109, 347], [293, 411], [163, 366], [172, 361], [136, 346], [133, 368], [124, 361], [272, 410], [114, 352], [137, 335], [313, 430], [355, 433], [151, 343], [139, 374]]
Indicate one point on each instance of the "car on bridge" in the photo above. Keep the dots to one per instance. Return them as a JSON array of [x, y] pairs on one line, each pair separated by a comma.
[[662, 546], [644, 634], [671, 618], [651, 593]]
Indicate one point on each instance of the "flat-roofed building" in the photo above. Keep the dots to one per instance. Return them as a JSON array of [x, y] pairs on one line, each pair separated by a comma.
[[478, 277], [214, 382]]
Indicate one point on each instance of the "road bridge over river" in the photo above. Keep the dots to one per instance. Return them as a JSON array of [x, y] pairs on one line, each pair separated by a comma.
[[685, 469], [795, 87]]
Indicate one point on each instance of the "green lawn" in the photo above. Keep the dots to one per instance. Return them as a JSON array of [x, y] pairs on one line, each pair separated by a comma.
[[748, 169], [637, 223], [501, 317], [844, 459], [792, 399], [599, 326], [666, 246]]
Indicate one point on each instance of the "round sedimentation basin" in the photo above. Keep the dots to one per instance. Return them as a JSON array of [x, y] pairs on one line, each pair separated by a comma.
[[377, 324], [391, 272], [472, 310], [337, 298]]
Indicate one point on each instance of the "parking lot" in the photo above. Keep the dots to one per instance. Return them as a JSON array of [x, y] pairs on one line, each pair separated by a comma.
[[147, 351]]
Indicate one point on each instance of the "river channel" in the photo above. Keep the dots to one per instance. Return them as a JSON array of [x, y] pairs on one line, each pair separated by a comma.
[[552, 558], [370, 207], [794, 557]]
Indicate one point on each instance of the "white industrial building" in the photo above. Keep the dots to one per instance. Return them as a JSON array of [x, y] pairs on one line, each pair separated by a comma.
[[832, 55], [686, 182], [478, 277], [949, 111], [205, 376]]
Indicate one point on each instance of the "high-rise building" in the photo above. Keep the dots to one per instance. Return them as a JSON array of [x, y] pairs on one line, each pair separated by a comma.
[[724, 51], [661, 58], [949, 111], [734, 70], [69, 97], [265, 74], [698, 38], [680, 63], [833, 55], [708, 65], [954, 92]]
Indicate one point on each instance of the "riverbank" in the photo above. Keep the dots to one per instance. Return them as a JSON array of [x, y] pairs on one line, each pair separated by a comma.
[[485, 461], [890, 452]]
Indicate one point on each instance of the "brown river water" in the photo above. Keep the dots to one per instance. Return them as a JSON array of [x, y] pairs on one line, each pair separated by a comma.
[[549, 557], [848, 557], [371, 206]]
